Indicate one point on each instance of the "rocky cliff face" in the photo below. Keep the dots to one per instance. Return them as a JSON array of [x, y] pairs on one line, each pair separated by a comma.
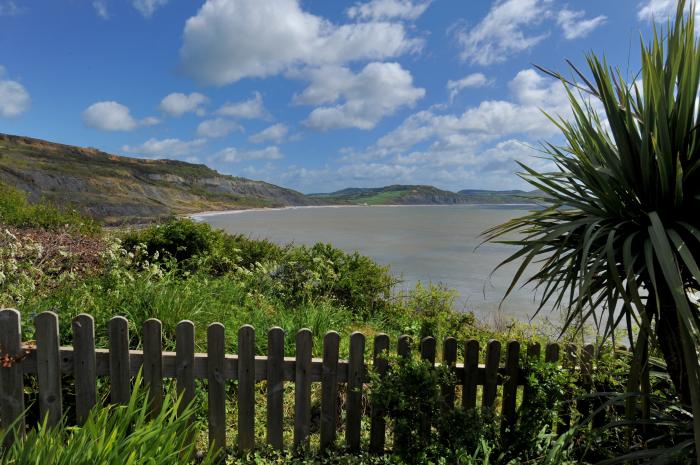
[[121, 189]]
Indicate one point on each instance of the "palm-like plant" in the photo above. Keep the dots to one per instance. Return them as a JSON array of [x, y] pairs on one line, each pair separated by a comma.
[[617, 242]]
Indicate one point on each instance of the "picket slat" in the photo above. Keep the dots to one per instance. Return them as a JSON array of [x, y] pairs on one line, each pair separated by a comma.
[[275, 387], [533, 356], [153, 364], [11, 378], [184, 362], [510, 384], [216, 387], [246, 388], [471, 367], [329, 389], [355, 381], [120, 381], [84, 366], [449, 358], [48, 362], [493, 355], [427, 353], [302, 388], [377, 435], [569, 362]]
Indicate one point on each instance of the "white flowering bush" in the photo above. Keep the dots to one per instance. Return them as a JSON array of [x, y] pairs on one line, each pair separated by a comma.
[[20, 270]]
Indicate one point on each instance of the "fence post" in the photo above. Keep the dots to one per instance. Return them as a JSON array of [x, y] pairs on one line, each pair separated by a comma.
[[302, 388], [11, 376], [216, 350], [184, 366], [584, 405], [246, 388], [153, 364], [48, 364], [449, 358], [356, 368], [565, 410], [510, 384], [533, 355], [84, 370], [275, 387], [403, 347], [120, 378], [471, 367], [427, 353], [377, 437], [493, 357], [329, 388]]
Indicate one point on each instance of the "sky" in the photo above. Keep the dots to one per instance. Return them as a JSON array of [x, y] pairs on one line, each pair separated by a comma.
[[316, 95]]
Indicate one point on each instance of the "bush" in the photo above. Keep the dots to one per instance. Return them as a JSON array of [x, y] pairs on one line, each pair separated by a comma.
[[16, 210]]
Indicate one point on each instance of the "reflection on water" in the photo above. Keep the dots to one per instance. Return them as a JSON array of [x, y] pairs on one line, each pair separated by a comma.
[[420, 243]]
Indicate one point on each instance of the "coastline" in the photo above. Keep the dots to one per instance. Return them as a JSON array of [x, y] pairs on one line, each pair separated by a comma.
[[205, 214]]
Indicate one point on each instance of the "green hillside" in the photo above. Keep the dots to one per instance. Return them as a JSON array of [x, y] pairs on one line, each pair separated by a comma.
[[118, 189], [421, 195]]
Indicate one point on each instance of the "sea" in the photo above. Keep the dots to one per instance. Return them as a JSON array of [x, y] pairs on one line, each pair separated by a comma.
[[442, 244]]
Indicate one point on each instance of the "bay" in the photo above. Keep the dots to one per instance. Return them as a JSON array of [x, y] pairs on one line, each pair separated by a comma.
[[439, 244]]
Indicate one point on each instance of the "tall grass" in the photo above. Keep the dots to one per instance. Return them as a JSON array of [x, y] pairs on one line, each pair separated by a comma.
[[113, 435]]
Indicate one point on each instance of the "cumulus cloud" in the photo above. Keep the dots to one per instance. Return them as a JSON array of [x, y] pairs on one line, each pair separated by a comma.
[[177, 104], [228, 40], [252, 108], [662, 10], [167, 148], [471, 80], [506, 30], [234, 155], [148, 7], [365, 98], [218, 127], [379, 10], [14, 98], [113, 116], [574, 26], [274, 133]]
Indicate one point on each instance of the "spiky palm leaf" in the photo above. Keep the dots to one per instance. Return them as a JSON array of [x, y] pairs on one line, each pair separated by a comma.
[[617, 242]]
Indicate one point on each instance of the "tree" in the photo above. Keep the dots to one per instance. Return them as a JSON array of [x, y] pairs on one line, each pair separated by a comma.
[[617, 241]]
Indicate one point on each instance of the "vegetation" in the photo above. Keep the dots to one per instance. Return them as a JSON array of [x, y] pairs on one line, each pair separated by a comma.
[[618, 241], [112, 435], [421, 195]]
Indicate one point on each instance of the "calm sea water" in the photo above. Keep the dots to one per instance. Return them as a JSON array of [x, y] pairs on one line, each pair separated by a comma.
[[419, 243]]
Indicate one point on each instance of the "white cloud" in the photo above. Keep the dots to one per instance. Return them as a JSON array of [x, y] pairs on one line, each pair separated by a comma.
[[177, 104], [472, 80], [167, 148], [101, 8], [504, 31], [233, 155], [378, 10], [662, 10], [229, 40], [574, 26], [10, 8], [274, 133], [113, 116], [249, 109], [217, 127], [148, 7], [368, 96], [14, 98]]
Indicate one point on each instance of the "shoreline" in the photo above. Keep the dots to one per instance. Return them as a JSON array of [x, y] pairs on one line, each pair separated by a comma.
[[199, 216]]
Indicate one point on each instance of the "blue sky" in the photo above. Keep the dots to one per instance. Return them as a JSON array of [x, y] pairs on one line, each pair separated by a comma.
[[316, 95]]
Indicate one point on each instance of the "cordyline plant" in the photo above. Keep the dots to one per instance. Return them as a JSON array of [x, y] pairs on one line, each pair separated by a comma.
[[617, 242]]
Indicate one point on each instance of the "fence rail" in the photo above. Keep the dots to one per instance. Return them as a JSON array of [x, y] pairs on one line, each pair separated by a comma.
[[51, 363]]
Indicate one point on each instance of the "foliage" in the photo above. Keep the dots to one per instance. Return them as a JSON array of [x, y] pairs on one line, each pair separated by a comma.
[[16, 210], [618, 239], [117, 435]]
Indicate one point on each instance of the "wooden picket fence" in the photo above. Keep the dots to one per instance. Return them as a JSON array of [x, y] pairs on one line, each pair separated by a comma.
[[50, 363]]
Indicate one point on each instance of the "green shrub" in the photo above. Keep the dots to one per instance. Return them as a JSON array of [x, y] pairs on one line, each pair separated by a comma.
[[16, 210]]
